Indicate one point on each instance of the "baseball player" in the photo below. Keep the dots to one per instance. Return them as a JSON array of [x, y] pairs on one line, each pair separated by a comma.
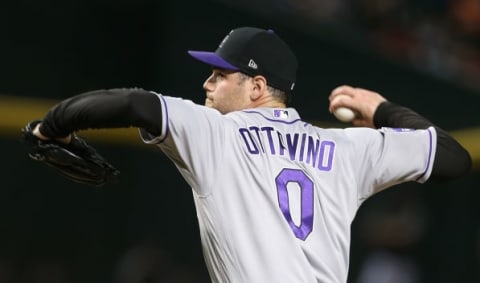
[[275, 196]]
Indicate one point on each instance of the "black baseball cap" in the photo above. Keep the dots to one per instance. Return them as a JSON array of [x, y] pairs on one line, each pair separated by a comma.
[[254, 51]]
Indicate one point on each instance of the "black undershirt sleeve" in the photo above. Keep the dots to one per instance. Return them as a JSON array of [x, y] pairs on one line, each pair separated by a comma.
[[451, 159], [110, 108]]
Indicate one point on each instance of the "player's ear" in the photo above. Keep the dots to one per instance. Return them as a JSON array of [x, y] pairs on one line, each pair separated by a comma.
[[259, 87]]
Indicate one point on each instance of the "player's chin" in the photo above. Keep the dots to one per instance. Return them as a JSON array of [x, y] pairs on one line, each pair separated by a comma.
[[208, 103]]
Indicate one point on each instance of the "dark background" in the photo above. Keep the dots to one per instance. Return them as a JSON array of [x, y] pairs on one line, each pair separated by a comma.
[[145, 229]]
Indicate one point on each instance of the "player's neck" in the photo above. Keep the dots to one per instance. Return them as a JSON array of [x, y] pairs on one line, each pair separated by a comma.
[[267, 102]]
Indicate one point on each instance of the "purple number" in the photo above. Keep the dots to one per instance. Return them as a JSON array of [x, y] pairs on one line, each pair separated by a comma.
[[306, 200]]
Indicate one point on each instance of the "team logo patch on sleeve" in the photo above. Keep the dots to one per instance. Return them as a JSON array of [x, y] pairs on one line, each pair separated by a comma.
[[280, 113]]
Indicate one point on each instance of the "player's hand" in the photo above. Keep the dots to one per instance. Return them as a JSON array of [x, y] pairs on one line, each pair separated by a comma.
[[362, 101]]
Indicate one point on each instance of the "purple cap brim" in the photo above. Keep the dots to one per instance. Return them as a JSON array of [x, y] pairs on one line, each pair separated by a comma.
[[212, 59]]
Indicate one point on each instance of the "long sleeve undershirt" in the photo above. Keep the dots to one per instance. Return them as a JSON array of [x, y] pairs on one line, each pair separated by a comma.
[[451, 159], [112, 108]]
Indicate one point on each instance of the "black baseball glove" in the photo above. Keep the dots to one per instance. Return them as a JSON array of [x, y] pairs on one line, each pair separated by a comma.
[[77, 160]]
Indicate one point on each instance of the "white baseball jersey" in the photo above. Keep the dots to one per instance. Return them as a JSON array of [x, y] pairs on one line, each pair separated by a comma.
[[275, 196]]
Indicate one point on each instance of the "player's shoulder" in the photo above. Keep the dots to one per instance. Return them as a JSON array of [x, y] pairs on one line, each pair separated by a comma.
[[407, 131], [364, 133], [352, 134], [175, 100]]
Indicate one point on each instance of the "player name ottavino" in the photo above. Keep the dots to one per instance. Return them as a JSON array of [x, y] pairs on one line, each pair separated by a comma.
[[296, 146]]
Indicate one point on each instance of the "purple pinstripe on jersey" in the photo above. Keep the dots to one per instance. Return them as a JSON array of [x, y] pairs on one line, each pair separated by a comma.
[[429, 155], [165, 108]]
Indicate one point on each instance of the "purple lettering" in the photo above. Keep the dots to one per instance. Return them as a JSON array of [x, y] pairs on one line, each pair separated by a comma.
[[249, 143]]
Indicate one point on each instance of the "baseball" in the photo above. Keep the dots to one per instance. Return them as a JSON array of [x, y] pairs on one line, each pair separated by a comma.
[[344, 114]]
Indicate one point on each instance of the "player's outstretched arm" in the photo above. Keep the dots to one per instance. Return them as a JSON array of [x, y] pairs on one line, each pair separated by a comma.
[[110, 108], [51, 140]]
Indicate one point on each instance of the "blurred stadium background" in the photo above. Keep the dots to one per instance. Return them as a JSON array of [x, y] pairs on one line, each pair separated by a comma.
[[424, 54]]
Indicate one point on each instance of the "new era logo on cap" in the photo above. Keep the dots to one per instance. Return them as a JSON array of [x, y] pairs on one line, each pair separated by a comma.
[[252, 64], [254, 51]]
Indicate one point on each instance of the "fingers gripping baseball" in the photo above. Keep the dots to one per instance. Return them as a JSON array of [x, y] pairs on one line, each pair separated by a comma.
[[362, 102]]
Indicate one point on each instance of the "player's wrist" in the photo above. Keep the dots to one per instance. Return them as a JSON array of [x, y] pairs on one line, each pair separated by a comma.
[[38, 133], [382, 114]]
